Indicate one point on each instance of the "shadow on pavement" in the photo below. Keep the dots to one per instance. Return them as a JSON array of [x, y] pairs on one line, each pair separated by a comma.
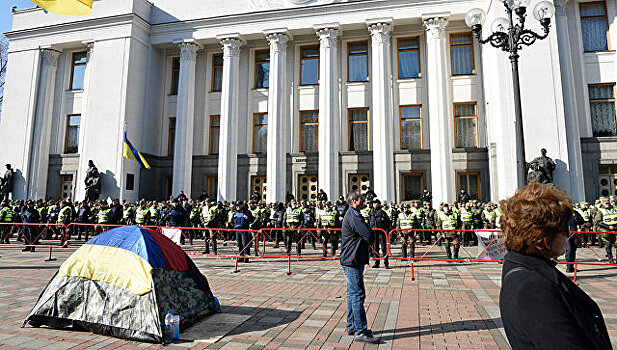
[[442, 328], [261, 319]]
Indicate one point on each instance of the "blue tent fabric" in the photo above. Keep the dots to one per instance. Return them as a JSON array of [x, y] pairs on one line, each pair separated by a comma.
[[134, 239]]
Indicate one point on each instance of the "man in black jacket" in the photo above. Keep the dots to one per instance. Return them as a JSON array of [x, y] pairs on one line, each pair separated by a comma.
[[356, 237], [379, 219]]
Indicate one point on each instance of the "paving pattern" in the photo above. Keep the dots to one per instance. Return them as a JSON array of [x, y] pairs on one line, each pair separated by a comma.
[[447, 306]]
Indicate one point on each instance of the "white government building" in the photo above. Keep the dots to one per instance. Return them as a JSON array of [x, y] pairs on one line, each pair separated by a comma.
[[227, 96]]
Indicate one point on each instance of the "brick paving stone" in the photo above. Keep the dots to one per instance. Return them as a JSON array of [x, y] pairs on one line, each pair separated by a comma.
[[307, 309]]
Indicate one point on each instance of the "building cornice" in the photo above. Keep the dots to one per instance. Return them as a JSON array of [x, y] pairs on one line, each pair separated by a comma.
[[89, 24]]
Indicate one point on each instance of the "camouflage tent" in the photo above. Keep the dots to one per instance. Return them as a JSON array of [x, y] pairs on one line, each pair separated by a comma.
[[122, 283]]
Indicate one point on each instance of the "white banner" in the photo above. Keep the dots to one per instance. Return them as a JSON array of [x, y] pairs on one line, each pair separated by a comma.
[[172, 233], [495, 251]]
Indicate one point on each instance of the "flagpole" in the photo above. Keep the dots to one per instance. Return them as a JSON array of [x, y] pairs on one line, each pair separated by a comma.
[[121, 179]]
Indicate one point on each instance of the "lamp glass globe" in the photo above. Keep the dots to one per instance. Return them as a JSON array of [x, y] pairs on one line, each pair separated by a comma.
[[474, 17], [543, 10]]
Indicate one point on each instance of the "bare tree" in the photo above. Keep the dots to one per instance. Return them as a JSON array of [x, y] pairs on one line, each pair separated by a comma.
[[4, 53]]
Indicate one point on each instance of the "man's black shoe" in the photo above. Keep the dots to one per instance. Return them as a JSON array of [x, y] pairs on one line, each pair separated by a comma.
[[388, 267], [366, 338], [247, 260], [32, 250], [376, 265], [366, 331], [27, 249]]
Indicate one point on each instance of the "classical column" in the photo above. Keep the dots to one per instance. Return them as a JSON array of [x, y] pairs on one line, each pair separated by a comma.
[[329, 113], [276, 168], [39, 156], [185, 116], [577, 183], [440, 123], [228, 140], [381, 109]]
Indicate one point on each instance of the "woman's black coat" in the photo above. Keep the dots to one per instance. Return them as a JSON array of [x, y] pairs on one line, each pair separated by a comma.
[[541, 308]]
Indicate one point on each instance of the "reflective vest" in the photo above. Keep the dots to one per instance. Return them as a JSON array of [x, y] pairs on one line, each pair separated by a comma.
[[489, 216], [466, 215], [609, 216], [208, 213], [328, 218], [140, 215], [448, 221], [127, 212], [293, 215], [584, 213], [65, 214], [8, 214], [256, 213], [498, 214], [103, 215], [154, 212], [194, 212], [319, 212], [406, 220], [366, 213], [391, 213]]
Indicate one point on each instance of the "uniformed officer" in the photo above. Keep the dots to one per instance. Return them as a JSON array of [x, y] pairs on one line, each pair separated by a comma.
[[320, 210], [405, 222], [466, 216], [379, 220], [308, 222], [606, 220], [128, 214], [257, 213], [209, 216], [430, 221], [341, 209], [6, 217], [292, 221], [328, 222], [418, 219], [103, 217], [65, 217], [366, 212], [488, 216], [586, 225], [450, 221]]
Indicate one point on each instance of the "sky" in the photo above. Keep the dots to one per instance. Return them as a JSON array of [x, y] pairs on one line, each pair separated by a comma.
[[6, 16]]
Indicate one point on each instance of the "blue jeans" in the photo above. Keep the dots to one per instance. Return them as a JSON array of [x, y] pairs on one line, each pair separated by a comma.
[[242, 238], [356, 316]]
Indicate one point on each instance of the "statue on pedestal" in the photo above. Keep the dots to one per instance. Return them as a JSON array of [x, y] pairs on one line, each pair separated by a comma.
[[541, 169], [93, 182], [7, 182]]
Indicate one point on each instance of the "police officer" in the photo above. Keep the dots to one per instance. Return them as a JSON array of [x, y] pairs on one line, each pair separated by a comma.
[[586, 225], [328, 222], [241, 220], [103, 217], [6, 217], [430, 221], [341, 209], [380, 220], [257, 213], [209, 216], [366, 211], [65, 217], [574, 241], [606, 221], [84, 216], [308, 222], [128, 214], [405, 223], [30, 216], [292, 220], [450, 221], [466, 216]]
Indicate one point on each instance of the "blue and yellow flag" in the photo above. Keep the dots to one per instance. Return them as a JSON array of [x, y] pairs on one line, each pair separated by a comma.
[[131, 153], [66, 7]]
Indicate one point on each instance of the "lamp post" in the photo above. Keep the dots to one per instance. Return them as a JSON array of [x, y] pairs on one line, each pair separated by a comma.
[[509, 35]]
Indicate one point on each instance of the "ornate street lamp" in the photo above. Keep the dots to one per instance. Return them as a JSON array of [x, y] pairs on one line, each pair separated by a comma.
[[510, 36]]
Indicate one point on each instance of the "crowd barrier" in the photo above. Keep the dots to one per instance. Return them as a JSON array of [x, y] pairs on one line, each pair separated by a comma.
[[291, 243]]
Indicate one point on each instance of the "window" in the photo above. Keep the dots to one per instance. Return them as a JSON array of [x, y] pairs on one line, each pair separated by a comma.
[[171, 136], [71, 143], [309, 65], [461, 54], [217, 72], [602, 104], [309, 131], [594, 26], [465, 125], [413, 184], [215, 128], [357, 61], [130, 182], [175, 75], [408, 58], [358, 129], [470, 182], [78, 70], [260, 132], [262, 68], [212, 186], [307, 187], [411, 127]]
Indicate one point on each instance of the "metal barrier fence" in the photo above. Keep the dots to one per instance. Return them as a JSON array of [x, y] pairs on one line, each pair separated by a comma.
[[279, 243]]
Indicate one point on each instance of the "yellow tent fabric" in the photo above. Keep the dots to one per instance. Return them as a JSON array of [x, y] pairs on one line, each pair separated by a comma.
[[112, 265], [66, 7]]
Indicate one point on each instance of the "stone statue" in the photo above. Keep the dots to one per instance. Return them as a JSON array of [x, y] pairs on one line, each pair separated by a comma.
[[543, 166], [93, 182], [7, 182]]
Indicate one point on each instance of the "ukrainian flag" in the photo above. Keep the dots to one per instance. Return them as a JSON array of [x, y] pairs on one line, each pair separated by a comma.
[[131, 153], [66, 7]]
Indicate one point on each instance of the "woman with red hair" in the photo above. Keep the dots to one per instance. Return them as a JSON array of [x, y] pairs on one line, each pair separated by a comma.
[[540, 307]]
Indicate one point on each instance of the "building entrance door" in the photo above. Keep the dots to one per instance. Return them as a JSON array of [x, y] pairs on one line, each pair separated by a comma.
[[67, 187], [307, 187], [258, 183], [608, 180], [358, 181]]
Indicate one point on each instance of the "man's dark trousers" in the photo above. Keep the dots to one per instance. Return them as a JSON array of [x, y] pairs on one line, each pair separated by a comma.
[[356, 316]]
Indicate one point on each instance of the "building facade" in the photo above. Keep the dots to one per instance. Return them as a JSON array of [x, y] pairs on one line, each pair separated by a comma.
[[229, 97]]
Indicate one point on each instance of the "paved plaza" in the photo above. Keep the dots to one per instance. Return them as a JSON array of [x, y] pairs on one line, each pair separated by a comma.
[[447, 306]]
